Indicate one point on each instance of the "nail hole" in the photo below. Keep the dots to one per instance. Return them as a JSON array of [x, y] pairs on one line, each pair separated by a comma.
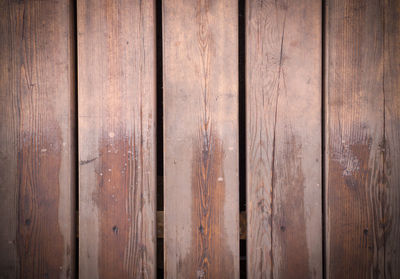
[[115, 229]]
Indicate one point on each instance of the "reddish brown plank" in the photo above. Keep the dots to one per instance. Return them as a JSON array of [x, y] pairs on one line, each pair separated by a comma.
[[283, 117], [200, 43], [362, 106], [116, 82], [36, 135]]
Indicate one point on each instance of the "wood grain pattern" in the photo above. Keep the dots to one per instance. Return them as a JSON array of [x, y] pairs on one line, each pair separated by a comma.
[[37, 147], [117, 83], [362, 105], [160, 224], [283, 102], [201, 204]]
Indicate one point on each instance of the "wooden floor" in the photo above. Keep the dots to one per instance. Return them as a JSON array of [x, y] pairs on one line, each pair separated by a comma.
[[200, 139]]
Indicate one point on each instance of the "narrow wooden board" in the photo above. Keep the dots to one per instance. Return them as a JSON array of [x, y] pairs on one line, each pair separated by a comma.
[[117, 113], [283, 143], [200, 43], [362, 161], [36, 135]]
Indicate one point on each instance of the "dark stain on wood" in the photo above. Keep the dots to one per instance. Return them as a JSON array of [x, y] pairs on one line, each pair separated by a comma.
[[121, 172], [350, 173], [39, 240], [211, 259], [290, 215]]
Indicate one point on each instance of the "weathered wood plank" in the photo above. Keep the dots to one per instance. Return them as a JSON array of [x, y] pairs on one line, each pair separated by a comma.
[[200, 43], [283, 112], [36, 135], [117, 83], [362, 86]]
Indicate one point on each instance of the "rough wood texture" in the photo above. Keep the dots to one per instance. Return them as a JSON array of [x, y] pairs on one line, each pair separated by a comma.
[[201, 204], [36, 150], [363, 139], [160, 225], [117, 82], [283, 112]]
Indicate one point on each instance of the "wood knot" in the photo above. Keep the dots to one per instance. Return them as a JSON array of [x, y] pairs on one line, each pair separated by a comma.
[[201, 229]]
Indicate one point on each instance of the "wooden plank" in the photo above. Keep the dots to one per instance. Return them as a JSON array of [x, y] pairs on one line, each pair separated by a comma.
[[362, 86], [117, 85], [283, 144], [200, 43], [36, 135]]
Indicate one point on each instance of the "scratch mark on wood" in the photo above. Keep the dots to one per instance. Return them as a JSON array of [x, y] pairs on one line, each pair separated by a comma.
[[84, 162]]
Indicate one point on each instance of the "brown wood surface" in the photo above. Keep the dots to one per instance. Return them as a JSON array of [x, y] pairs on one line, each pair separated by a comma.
[[283, 144], [200, 43], [117, 176], [160, 225], [363, 139], [36, 135]]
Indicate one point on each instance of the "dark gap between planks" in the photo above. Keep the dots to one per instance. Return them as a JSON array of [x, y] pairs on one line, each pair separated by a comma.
[[323, 147], [160, 135], [75, 140], [242, 125]]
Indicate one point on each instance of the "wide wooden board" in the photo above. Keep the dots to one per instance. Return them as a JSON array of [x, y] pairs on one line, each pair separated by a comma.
[[363, 139], [200, 58], [36, 134], [117, 175], [283, 139]]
